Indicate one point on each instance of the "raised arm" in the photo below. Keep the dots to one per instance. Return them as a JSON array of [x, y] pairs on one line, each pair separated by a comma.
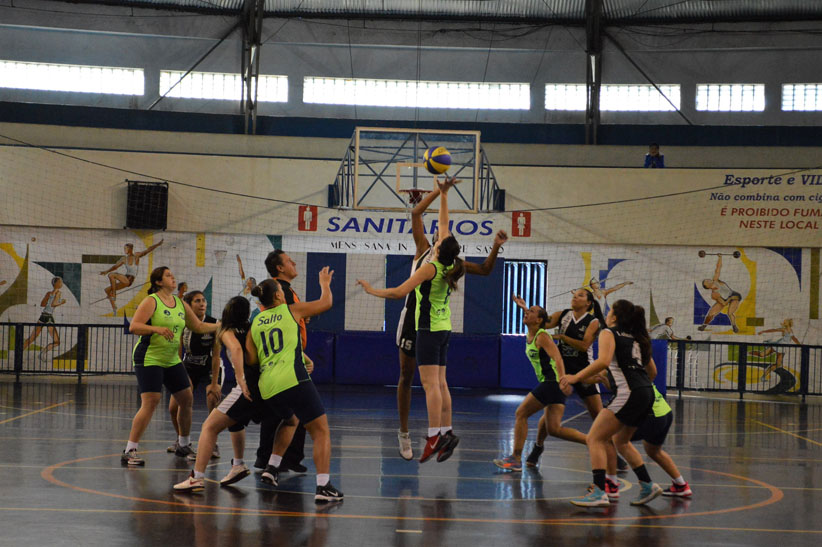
[[488, 264], [116, 265], [718, 268], [424, 273], [141, 254], [240, 264], [553, 320], [417, 228], [316, 307], [616, 287], [442, 222], [519, 302], [193, 322]]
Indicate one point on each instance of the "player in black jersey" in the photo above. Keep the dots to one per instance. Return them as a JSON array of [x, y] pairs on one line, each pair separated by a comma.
[[625, 351], [195, 351], [406, 330]]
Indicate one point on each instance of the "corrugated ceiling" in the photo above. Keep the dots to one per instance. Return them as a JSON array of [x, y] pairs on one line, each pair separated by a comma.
[[618, 11]]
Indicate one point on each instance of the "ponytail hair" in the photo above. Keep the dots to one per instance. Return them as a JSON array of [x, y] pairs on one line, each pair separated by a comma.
[[449, 249], [235, 314], [543, 317], [594, 308], [155, 277], [631, 319], [266, 291]]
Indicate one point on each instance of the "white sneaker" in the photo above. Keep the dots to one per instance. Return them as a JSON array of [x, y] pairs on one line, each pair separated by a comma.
[[405, 445], [237, 473], [191, 484]]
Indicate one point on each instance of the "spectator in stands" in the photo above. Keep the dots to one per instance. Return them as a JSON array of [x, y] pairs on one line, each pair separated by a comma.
[[653, 158]]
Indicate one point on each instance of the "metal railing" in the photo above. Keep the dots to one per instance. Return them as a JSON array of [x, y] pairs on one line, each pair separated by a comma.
[[745, 368], [77, 349]]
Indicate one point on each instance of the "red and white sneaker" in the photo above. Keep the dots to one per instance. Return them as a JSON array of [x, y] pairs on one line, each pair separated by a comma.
[[612, 489], [678, 491], [432, 446]]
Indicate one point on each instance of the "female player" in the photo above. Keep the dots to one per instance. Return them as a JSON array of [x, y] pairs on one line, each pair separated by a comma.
[[50, 301], [786, 330], [577, 329], [547, 362], [196, 354], [723, 296], [159, 320], [241, 405], [625, 351], [285, 385], [406, 327], [433, 283], [601, 295]]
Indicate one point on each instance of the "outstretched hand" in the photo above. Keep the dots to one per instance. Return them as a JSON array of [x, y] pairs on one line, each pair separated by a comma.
[[325, 276], [500, 238], [365, 285], [447, 184]]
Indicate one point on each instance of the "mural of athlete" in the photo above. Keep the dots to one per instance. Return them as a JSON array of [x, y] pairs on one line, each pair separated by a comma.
[[723, 296], [601, 295], [119, 281], [786, 330], [665, 331], [50, 301]]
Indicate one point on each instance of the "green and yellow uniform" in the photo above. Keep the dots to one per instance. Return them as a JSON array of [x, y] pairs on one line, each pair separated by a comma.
[[433, 312], [661, 406], [155, 350], [544, 366], [277, 337]]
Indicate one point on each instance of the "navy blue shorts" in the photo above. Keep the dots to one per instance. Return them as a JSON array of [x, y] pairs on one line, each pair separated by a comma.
[[152, 378], [432, 347], [198, 373], [548, 393], [302, 400], [653, 430]]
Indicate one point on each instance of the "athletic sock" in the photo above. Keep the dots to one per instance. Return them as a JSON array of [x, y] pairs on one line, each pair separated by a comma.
[[131, 446], [275, 460], [433, 431], [612, 478], [680, 481], [323, 478], [445, 429], [237, 461], [642, 473], [199, 474], [184, 441], [599, 478]]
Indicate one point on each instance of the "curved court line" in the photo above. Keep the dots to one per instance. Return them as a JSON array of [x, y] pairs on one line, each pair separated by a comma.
[[776, 496]]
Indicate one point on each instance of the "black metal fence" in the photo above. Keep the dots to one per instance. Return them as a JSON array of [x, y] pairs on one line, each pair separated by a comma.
[[745, 368]]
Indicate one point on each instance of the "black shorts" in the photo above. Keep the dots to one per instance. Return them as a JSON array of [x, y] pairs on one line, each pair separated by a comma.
[[654, 429], [432, 347], [152, 378], [46, 318], [198, 373], [243, 411], [632, 408], [407, 335], [302, 400], [583, 390], [548, 393]]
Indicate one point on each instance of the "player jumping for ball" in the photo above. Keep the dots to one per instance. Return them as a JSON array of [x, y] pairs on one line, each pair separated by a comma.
[[723, 296], [119, 281]]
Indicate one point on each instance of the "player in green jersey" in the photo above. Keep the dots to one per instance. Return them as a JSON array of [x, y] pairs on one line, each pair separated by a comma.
[[285, 386], [433, 283], [159, 320]]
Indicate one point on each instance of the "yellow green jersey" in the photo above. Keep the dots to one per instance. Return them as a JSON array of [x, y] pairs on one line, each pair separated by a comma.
[[277, 337], [544, 366], [661, 406], [155, 350], [433, 311]]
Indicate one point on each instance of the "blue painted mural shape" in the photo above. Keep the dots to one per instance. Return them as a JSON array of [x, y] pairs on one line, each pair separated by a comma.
[[71, 274], [701, 307], [794, 258]]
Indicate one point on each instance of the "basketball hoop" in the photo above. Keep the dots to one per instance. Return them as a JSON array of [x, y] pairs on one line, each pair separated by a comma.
[[414, 197]]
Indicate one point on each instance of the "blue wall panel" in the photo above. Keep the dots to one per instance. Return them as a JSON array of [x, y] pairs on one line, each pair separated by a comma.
[[368, 358], [515, 370], [334, 319], [320, 348], [483, 300], [473, 361]]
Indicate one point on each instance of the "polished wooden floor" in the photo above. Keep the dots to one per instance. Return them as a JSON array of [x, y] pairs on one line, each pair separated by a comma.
[[754, 467]]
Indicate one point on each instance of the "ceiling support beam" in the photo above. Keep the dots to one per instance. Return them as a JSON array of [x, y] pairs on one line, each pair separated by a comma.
[[593, 69], [252, 25]]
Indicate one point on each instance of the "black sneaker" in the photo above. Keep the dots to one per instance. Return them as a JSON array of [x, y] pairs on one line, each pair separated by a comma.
[[327, 493], [293, 466], [451, 442], [622, 465], [271, 475], [185, 452], [533, 458]]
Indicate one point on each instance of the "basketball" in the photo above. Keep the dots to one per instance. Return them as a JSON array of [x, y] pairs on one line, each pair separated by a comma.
[[437, 160]]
